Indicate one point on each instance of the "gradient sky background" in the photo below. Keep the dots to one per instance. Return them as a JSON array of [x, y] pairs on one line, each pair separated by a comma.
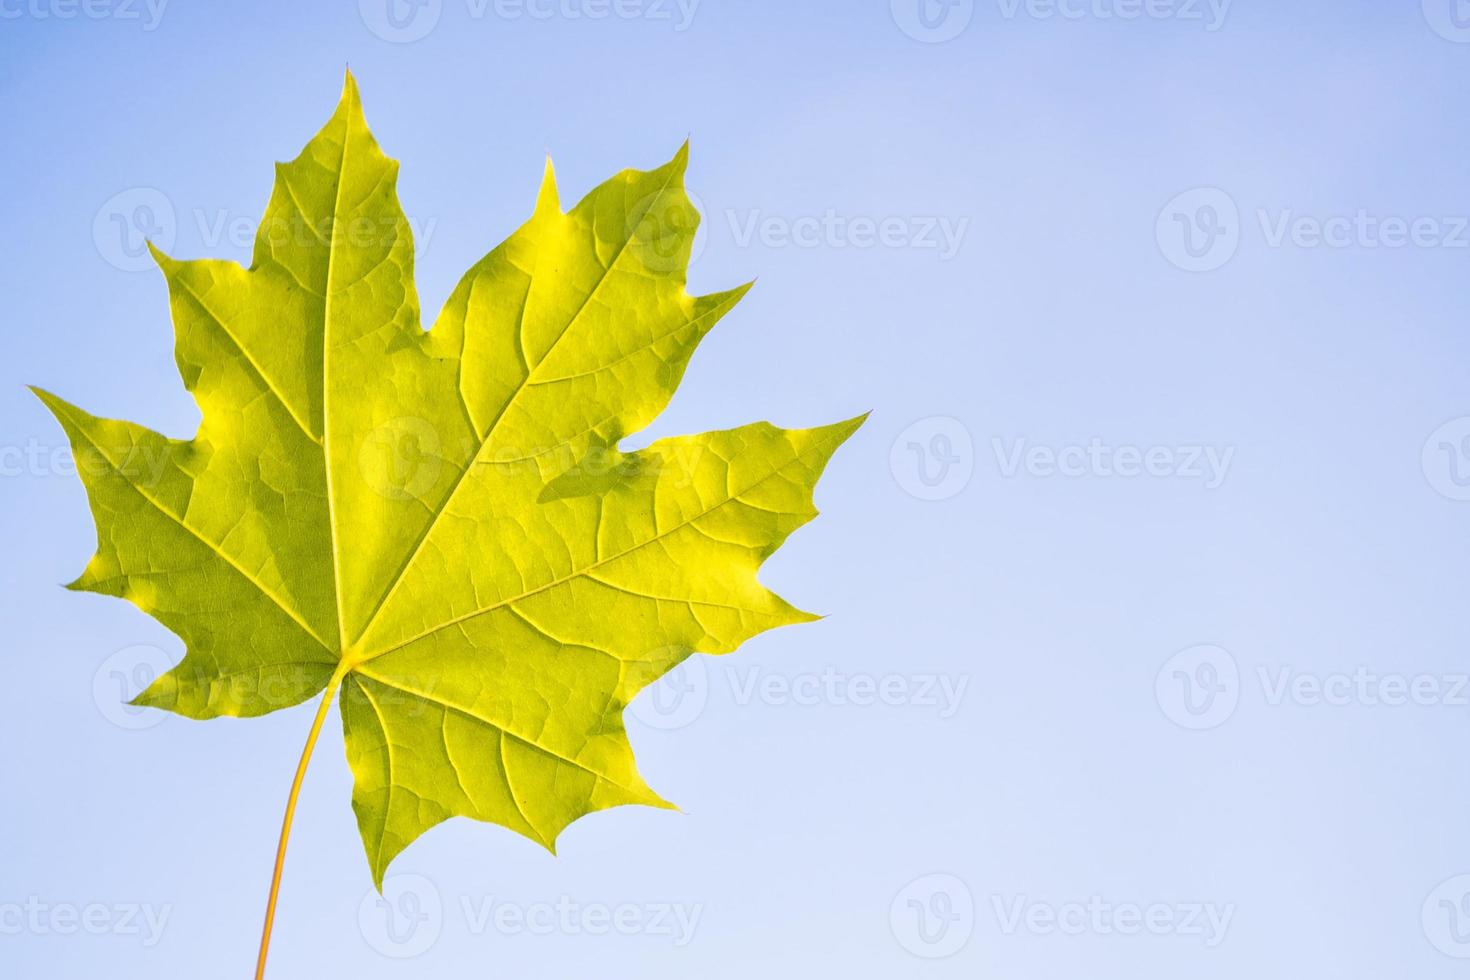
[[1076, 767]]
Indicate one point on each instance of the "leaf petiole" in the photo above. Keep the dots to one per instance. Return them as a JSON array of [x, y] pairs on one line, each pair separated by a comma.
[[311, 737]]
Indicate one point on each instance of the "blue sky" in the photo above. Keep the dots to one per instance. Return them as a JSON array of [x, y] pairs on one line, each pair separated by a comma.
[[1146, 649]]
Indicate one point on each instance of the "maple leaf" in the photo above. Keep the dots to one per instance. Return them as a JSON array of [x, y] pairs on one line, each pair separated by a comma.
[[439, 524]]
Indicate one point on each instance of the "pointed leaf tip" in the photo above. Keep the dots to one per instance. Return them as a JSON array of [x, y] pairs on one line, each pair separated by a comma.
[[547, 198], [47, 398], [160, 257], [847, 427], [351, 100]]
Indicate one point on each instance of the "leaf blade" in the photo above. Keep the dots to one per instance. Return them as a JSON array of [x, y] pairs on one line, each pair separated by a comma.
[[443, 522]]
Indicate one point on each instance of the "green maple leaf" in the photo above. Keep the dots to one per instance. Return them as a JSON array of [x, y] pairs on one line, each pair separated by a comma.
[[439, 524]]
